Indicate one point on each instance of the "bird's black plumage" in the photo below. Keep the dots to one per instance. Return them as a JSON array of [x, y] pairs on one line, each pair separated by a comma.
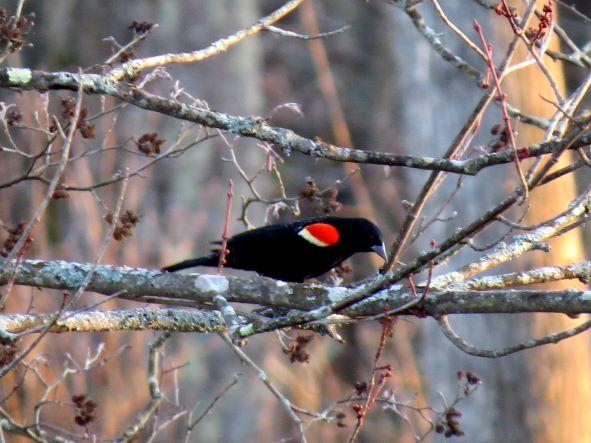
[[282, 251]]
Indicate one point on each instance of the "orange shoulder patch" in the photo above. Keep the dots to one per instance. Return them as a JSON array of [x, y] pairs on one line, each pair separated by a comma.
[[320, 234]]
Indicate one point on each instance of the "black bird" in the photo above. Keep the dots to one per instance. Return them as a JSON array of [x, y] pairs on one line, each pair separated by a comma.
[[295, 251]]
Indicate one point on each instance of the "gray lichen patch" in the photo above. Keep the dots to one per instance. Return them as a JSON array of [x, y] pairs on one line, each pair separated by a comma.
[[215, 284], [19, 76]]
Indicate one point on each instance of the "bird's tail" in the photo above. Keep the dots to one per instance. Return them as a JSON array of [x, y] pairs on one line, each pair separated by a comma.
[[208, 260]]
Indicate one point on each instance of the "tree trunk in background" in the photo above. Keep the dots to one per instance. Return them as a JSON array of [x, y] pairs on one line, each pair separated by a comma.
[[559, 375], [352, 100], [182, 202], [230, 82], [433, 101]]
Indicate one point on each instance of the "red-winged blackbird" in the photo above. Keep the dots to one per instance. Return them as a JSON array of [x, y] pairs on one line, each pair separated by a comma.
[[295, 251]]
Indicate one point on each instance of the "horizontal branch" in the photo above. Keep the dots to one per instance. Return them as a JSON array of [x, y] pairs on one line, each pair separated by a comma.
[[205, 322], [579, 271], [178, 320], [154, 286], [200, 290], [258, 127]]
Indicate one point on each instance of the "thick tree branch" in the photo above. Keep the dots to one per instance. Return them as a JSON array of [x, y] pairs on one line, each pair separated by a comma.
[[199, 289], [174, 320], [435, 304]]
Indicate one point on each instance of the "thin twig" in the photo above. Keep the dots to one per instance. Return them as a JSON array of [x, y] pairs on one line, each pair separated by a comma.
[[284, 33], [132, 67], [224, 249], [211, 405], [156, 396], [463, 345], [283, 401], [502, 98]]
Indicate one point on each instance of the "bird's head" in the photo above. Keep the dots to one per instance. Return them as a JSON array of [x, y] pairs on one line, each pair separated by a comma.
[[367, 237], [350, 235]]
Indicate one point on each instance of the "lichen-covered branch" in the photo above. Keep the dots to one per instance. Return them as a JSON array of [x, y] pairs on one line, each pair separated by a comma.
[[580, 271], [149, 285], [200, 290], [521, 243], [185, 320], [175, 320]]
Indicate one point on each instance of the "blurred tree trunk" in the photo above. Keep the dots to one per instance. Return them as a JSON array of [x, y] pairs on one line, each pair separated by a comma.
[[432, 101], [183, 205], [559, 375], [230, 82], [357, 115], [552, 405]]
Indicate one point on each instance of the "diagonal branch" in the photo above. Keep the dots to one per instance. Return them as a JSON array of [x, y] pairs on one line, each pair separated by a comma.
[[521, 243], [259, 128], [133, 67]]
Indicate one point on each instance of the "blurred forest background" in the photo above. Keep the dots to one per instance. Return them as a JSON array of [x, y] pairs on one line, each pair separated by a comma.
[[380, 86]]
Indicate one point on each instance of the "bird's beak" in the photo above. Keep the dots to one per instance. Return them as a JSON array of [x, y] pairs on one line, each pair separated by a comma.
[[381, 251]]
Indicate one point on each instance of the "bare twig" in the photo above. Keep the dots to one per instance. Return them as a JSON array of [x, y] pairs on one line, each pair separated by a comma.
[[132, 67], [283, 401], [226, 229], [463, 345], [375, 387], [284, 33], [502, 98], [211, 405], [156, 396]]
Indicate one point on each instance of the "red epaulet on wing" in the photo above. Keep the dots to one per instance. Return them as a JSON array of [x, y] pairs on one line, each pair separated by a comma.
[[320, 234]]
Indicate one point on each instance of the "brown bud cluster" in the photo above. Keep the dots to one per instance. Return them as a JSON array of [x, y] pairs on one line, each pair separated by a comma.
[[60, 192], [86, 129], [126, 55], [85, 409], [297, 349], [13, 30], [360, 388], [502, 137], [471, 378], [141, 27], [13, 236], [450, 426], [125, 226], [68, 110], [324, 202], [149, 143], [340, 419], [8, 351]]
